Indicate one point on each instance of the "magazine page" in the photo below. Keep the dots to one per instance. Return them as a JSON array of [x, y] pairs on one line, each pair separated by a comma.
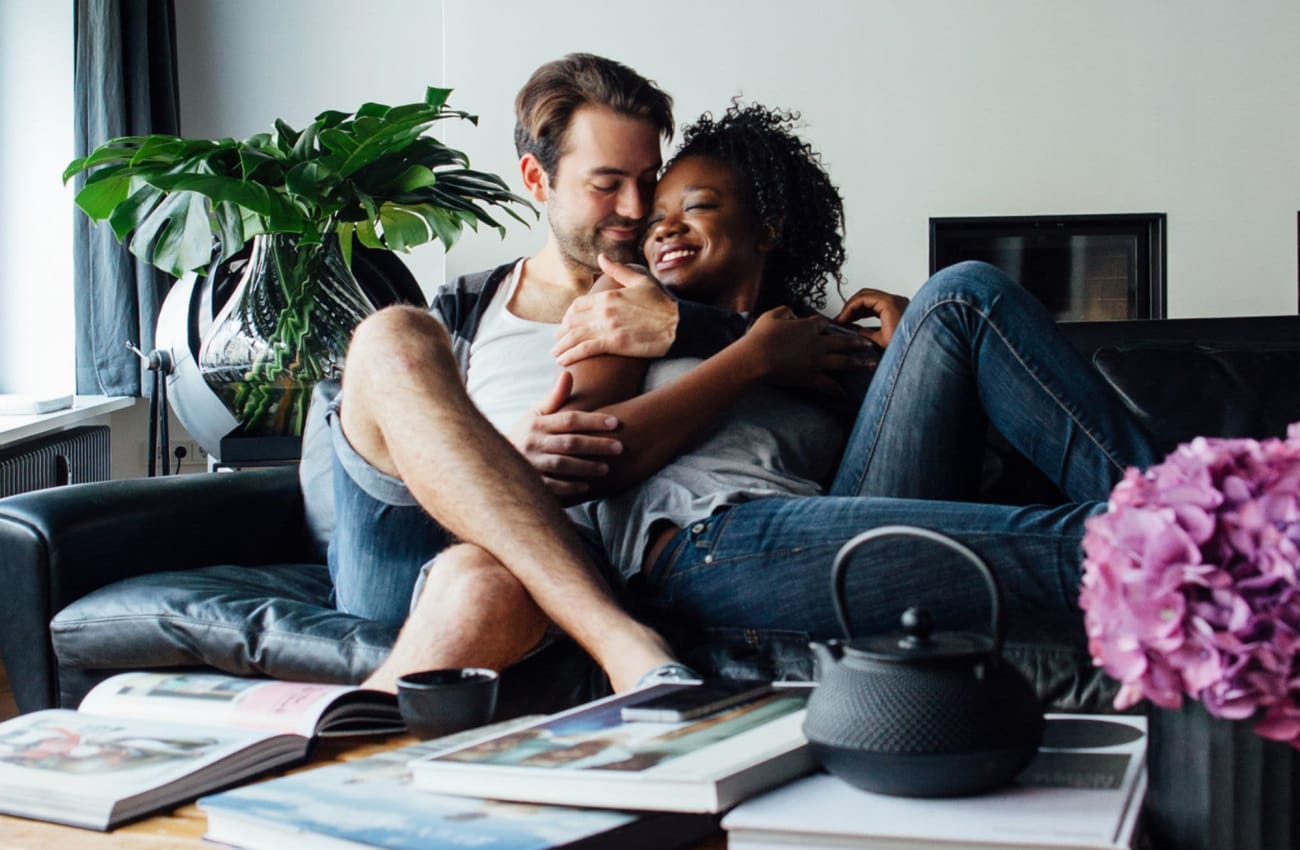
[[216, 700], [73, 768]]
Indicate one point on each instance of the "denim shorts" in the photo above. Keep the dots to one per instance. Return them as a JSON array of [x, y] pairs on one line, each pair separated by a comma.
[[382, 537], [384, 542]]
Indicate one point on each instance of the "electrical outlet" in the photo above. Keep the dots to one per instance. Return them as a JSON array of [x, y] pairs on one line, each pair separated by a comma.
[[193, 459]]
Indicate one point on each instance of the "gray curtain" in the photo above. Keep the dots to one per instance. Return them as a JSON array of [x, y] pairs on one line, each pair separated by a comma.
[[125, 85]]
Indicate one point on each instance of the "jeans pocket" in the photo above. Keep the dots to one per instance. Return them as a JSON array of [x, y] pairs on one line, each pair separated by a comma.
[[689, 548], [704, 534]]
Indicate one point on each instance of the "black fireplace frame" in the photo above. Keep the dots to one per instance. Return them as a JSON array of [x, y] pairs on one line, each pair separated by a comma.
[[1146, 229]]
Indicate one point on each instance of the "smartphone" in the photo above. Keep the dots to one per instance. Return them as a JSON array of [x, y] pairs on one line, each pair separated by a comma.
[[856, 330], [692, 701]]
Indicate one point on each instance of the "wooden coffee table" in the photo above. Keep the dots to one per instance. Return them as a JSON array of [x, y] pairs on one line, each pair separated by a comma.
[[183, 828]]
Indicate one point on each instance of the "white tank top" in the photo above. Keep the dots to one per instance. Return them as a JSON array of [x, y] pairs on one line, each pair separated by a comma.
[[510, 364]]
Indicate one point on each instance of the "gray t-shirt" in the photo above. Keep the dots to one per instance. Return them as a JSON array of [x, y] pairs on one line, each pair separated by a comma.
[[771, 444]]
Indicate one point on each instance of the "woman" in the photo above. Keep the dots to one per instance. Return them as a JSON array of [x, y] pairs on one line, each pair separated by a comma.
[[724, 535]]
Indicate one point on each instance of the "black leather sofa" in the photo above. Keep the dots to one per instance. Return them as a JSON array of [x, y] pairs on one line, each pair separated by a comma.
[[222, 570]]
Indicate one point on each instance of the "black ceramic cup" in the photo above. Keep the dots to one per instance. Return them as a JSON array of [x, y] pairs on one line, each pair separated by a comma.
[[439, 702]]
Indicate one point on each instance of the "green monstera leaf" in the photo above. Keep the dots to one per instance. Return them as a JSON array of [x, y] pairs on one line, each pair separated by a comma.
[[374, 174]]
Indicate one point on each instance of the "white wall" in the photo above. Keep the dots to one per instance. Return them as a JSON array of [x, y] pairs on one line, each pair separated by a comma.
[[37, 349], [935, 108], [921, 107], [951, 108], [244, 63]]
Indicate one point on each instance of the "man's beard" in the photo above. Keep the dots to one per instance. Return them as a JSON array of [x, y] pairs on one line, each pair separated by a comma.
[[580, 247]]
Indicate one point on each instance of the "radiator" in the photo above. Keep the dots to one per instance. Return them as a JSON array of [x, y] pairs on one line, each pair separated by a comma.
[[65, 457]]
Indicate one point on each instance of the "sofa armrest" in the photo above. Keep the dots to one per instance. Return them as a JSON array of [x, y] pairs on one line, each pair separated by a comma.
[[57, 545]]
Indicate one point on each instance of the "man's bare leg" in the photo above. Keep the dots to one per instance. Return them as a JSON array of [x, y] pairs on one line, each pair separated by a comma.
[[406, 412], [472, 612]]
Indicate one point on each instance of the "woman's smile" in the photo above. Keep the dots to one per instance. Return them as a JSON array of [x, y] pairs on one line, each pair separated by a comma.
[[703, 239], [672, 256]]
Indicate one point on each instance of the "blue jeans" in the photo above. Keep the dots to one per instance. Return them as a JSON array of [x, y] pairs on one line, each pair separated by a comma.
[[766, 565], [973, 348]]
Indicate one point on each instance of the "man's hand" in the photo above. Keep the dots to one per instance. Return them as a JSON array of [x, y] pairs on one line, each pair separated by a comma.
[[560, 446], [803, 352], [635, 318], [873, 302]]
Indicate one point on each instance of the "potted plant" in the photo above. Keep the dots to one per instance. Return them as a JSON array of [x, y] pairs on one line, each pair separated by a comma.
[[1191, 598], [302, 196]]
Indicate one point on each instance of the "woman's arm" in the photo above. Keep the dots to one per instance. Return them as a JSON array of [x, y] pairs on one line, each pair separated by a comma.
[[657, 426], [604, 379], [569, 448]]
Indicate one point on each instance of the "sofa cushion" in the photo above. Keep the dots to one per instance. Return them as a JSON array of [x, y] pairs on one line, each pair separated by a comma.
[[273, 621], [1178, 389], [1182, 390]]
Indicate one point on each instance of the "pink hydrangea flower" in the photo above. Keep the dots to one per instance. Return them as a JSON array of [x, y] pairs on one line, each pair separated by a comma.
[[1191, 585]]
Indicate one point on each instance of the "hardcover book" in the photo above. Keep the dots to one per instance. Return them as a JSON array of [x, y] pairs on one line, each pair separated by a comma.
[[371, 803], [1083, 791], [591, 756], [141, 742], [18, 404]]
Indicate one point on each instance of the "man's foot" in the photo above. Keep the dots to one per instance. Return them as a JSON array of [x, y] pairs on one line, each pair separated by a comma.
[[630, 651], [673, 672]]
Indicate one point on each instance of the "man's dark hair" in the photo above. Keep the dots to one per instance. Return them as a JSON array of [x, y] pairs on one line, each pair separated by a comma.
[[546, 103], [789, 191]]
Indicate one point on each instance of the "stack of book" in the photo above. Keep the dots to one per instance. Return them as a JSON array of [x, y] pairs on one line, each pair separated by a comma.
[[592, 756], [1083, 791], [638, 770], [626, 784], [371, 803], [19, 404]]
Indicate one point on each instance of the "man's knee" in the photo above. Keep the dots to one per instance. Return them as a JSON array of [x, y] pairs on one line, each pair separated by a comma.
[[399, 337], [468, 573]]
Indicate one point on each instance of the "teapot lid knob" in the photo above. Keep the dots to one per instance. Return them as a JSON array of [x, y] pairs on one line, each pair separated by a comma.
[[919, 625]]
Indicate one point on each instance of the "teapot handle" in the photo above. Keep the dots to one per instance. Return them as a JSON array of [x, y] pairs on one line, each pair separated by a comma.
[[839, 569]]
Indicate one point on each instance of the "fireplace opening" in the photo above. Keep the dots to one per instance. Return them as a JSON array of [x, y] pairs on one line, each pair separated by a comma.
[[1082, 267]]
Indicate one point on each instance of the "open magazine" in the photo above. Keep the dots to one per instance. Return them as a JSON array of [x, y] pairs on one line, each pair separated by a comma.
[[141, 742]]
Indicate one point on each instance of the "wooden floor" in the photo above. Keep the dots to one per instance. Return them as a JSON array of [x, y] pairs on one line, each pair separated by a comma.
[[7, 707]]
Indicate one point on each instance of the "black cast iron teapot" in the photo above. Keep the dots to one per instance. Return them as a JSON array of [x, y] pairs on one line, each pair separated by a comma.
[[922, 714]]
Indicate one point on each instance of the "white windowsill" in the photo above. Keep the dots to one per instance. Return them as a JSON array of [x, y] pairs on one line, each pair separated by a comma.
[[15, 428]]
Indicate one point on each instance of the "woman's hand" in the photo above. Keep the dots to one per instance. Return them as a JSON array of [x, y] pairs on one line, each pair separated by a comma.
[[873, 302], [803, 352], [636, 318], [564, 447]]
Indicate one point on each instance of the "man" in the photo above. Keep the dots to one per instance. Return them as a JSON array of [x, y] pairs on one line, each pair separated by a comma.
[[418, 464]]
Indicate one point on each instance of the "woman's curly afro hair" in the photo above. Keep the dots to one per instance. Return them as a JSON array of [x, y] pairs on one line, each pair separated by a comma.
[[790, 191]]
